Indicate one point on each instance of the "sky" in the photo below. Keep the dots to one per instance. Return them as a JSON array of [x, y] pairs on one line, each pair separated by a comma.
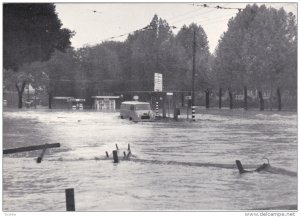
[[97, 22]]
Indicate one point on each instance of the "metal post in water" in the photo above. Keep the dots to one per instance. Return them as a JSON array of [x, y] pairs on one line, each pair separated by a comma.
[[70, 201], [115, 155], [107, 154], [193, 113]]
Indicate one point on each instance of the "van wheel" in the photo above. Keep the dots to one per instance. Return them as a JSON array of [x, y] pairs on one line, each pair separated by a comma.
[[122, 117], [130, 118]]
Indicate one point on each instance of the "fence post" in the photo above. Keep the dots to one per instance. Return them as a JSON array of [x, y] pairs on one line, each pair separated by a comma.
[[115, 155], [40, 158], [70, 201]]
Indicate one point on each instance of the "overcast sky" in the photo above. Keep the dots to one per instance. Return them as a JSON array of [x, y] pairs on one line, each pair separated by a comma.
[[97, 22]]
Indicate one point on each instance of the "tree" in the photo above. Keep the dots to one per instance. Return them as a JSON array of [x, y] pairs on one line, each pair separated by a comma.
[[185, 39], [57, 76], [31, 32], [258, 50]]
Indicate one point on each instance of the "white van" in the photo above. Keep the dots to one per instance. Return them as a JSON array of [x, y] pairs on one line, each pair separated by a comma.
[[136, 111]]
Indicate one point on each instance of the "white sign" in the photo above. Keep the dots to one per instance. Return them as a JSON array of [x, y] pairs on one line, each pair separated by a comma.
[[169, 94], [158, 82], [188, 97]]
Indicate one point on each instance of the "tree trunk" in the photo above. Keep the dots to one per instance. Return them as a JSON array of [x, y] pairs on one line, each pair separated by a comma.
[[50, 100], [20, 94], [220, 98], [279, 99], [261, 101], [245, 98], [207, 98], [230, 99]]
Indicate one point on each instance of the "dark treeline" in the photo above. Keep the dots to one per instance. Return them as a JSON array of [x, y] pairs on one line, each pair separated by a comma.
[[257, 55]]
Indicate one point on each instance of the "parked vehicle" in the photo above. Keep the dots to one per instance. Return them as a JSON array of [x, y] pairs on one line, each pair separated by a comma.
[[136, 111]]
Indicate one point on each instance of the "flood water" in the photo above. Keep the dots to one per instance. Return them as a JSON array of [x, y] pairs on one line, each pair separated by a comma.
[[175, 165]]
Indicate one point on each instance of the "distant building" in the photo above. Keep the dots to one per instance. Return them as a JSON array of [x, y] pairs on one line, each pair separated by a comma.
[[104, 102], [62, 102], [77, 103]]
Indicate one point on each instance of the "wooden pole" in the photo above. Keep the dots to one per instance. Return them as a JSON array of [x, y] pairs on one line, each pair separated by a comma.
[[193, 77], [40, 158], [70, 201], [128, 147], [107, 154], [128, 155], [30, 148], [115, 155]]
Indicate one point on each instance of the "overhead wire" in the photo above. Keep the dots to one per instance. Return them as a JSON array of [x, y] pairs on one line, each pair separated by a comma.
[[174, 20]]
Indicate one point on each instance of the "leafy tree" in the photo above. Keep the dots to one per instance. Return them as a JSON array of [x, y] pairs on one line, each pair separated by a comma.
[[31, 32], [258, 50], [185, 39]]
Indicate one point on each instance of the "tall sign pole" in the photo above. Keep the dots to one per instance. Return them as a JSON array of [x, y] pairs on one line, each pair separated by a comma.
[[193, 77]]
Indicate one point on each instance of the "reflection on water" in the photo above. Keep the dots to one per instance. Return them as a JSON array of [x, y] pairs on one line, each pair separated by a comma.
[[167, 171]]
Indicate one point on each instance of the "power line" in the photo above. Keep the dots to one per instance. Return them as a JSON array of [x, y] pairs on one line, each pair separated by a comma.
[[216, 7], [174, 19], [209, 19]]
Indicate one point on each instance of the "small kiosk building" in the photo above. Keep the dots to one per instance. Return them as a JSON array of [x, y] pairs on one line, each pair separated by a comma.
[[107, 103]]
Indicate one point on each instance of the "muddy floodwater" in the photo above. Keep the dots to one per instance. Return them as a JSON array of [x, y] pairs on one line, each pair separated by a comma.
[[175, 165]]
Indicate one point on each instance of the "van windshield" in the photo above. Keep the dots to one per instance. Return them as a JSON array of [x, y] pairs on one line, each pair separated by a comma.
[[142, 107]]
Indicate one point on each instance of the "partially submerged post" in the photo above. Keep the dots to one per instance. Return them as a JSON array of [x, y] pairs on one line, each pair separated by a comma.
[[107, 154], [128, 155], [70, 201], [40, 158], [115, 155]]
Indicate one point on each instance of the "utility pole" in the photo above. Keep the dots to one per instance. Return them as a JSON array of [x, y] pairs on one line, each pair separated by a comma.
[[193, 77]]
